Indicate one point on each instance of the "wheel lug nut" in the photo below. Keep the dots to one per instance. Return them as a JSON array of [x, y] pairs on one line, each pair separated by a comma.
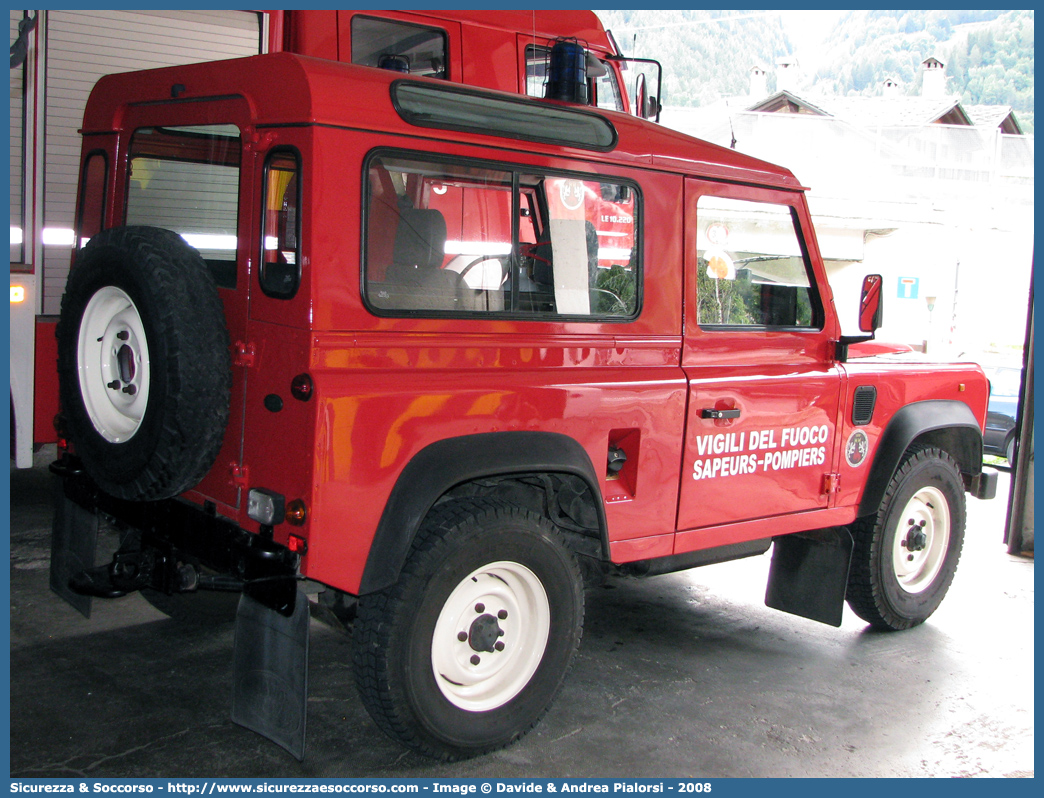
[[500, 633], [462, 636], [123, 335], [909, 558], [475, 659], [499, 646], [502, 614], [480, 607], [114, 385], [130, 390]]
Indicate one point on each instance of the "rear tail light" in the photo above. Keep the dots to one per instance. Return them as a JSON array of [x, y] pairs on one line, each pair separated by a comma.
[[296, 512]]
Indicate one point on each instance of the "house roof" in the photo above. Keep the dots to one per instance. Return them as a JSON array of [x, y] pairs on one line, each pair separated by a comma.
[[1001, 116], [871, 111]]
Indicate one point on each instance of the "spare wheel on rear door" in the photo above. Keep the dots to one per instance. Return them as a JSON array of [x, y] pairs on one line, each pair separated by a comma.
[[143, 363]]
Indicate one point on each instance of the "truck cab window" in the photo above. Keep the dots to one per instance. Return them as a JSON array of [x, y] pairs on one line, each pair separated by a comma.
[[752, 270], [186, 179], [399, 46], [603, 86]]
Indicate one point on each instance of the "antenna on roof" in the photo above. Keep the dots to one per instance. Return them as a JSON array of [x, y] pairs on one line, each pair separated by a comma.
[[732, 131]]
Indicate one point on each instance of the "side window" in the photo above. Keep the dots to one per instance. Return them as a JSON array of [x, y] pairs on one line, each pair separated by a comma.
[[92, 197], [497, 240], [280, 265], [186, 179], [751, 267], [399, 46]]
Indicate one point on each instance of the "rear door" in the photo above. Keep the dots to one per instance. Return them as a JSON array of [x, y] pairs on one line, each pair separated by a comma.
[[190, 172], [759, 356]]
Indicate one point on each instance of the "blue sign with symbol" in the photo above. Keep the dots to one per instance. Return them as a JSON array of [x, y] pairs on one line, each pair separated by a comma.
[[908, 287]]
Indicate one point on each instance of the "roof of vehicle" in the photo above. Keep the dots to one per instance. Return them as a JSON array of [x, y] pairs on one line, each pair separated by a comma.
[[317, 91]]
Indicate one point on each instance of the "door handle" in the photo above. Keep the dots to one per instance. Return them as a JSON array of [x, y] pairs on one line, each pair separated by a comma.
[[710, 412]]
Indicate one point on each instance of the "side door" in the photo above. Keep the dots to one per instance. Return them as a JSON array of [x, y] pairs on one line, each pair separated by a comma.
[[758, 354], [190, 170]]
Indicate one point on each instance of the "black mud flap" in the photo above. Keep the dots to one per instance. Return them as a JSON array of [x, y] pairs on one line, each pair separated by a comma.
[[270, 672], [74, 538], [809, 574]]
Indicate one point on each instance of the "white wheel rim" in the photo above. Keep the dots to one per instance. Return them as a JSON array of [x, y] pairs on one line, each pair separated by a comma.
[[501, 606], [922, 538], [113, 364]]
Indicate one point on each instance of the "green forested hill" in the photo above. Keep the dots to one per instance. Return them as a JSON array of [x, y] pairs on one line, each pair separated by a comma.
[[708, 54], [988, 55]]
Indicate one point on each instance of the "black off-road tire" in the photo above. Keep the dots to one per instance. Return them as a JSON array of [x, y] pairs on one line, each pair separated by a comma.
[[144, 365], [898, 579], [476, 568]]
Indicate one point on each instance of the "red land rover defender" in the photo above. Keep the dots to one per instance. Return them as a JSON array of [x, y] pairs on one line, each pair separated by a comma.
[[443, 351]]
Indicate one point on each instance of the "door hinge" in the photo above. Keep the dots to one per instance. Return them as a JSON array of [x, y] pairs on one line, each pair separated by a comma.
[[246, 355], [831, 483], [240, 475]]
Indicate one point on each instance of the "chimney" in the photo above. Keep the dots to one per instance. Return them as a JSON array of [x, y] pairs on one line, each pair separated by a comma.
[[758, 82], [933, 78], [786, 73]]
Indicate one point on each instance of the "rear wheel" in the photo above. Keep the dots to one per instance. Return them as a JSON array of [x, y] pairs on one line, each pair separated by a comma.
[[906, 554], [143, 363], [466, 652]]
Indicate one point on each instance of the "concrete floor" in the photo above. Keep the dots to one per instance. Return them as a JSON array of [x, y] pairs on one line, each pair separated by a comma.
[[681, 675]]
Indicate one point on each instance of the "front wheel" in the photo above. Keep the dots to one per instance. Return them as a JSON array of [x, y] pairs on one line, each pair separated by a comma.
[[906, 554], [466, 652]]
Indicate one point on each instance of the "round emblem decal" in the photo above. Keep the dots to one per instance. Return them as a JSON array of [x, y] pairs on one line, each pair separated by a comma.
[[856, 448]]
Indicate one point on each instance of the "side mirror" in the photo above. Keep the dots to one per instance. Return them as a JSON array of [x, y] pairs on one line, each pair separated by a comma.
[[870, 304]]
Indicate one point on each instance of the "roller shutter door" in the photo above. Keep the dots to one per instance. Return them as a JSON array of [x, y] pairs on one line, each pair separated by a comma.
[[17, 95], [84, 45]]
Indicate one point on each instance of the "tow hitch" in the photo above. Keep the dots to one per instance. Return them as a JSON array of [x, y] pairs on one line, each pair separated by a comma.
[[170, 545], [133, 570]]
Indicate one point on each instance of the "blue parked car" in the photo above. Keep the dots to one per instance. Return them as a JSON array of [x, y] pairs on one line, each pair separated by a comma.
[[1000, 416]]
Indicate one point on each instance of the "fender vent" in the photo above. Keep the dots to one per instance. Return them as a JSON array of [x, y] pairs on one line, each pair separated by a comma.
[[863, 404]]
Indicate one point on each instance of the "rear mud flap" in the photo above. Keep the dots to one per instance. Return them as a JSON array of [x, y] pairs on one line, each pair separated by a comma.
[[809, 574], [74, 539], [270, 672]]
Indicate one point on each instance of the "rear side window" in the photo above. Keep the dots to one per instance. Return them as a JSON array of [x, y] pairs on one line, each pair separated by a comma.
[[280, 272], [466, 238], [752, 269], [186, 179], [399, 47]]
